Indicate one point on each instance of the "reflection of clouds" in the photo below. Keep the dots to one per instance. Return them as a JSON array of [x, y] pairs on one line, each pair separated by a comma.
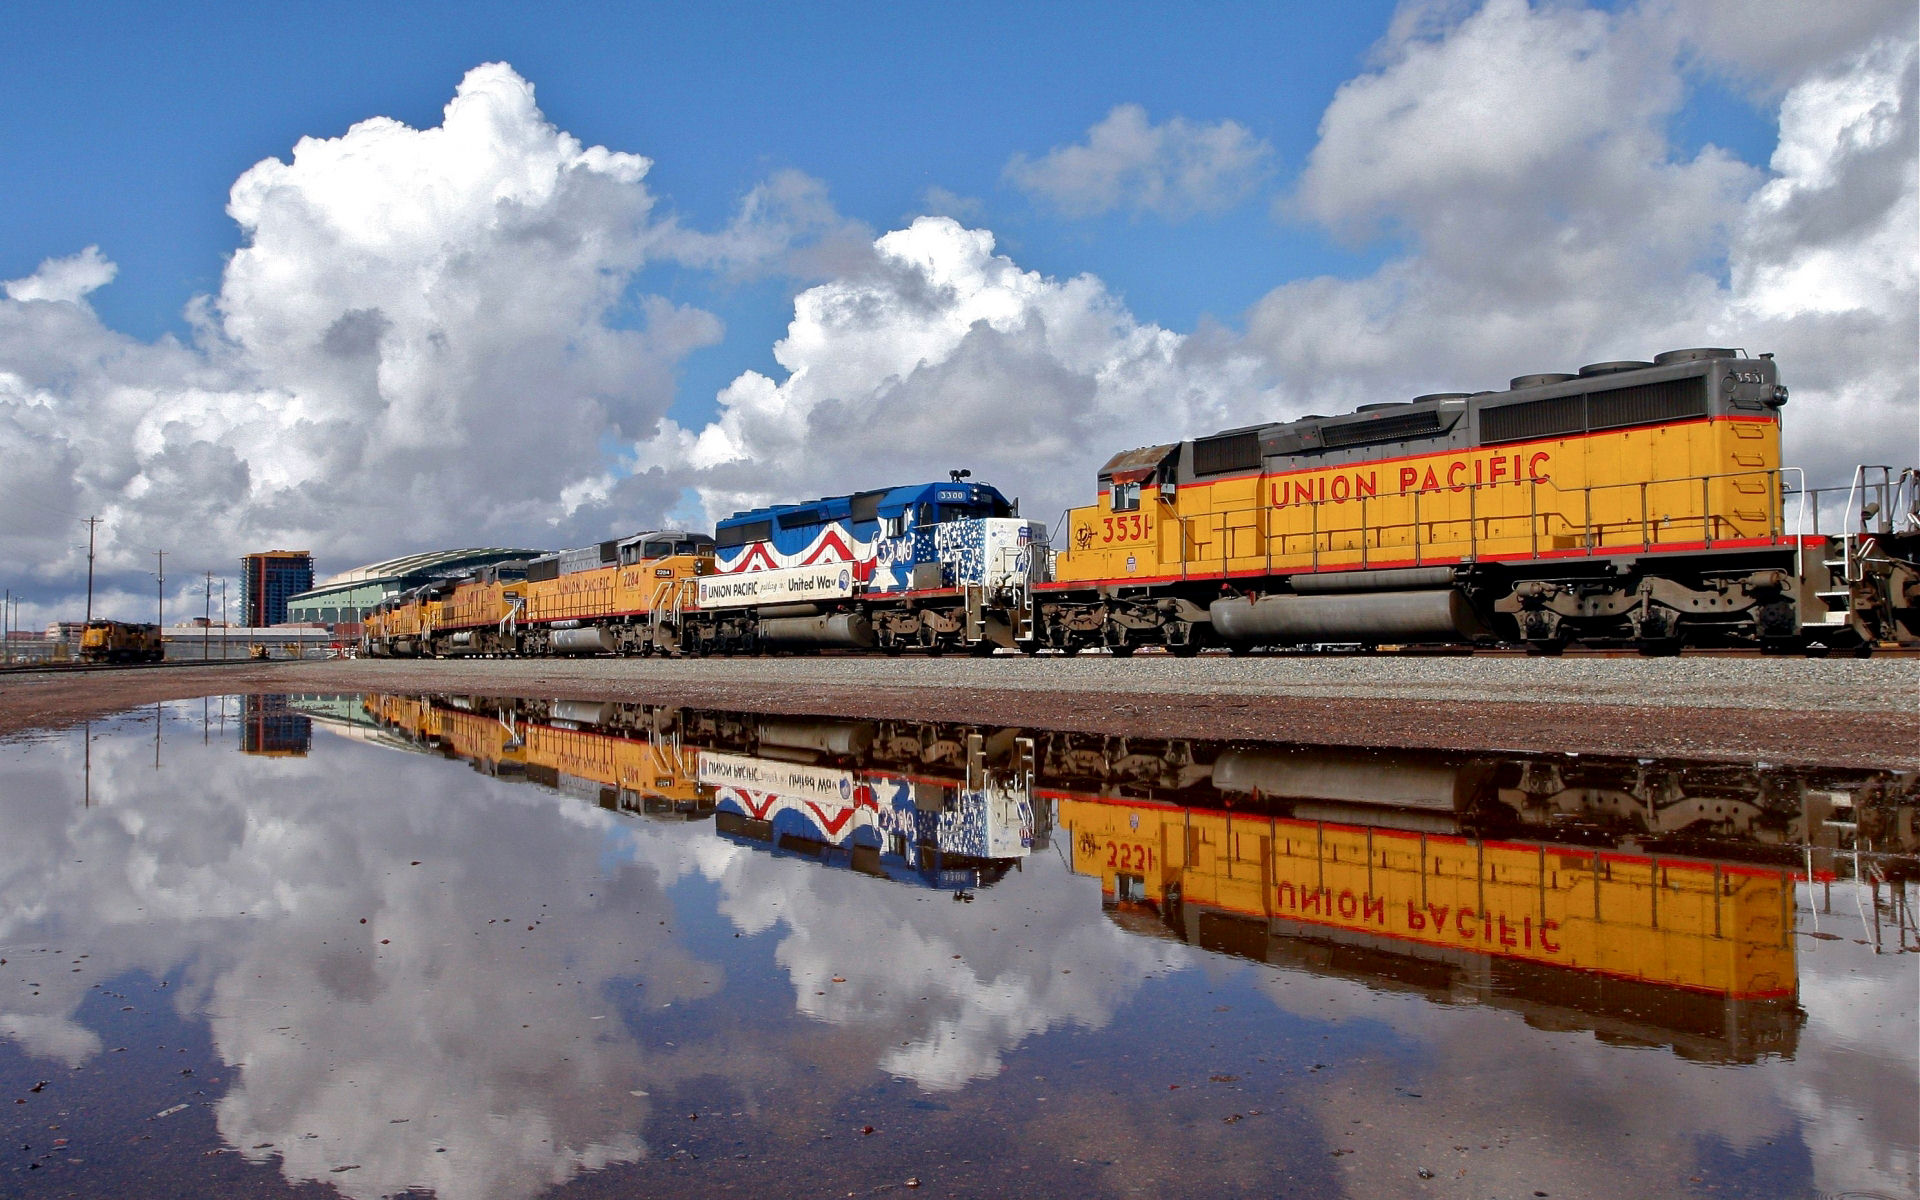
[[518, 1051], [501, 1045], [1571, 1115], [1860, 1094], [946, 988]]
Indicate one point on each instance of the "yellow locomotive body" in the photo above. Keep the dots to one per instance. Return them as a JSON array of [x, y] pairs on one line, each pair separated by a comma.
[[621, 597], [475, 614], [121, 642], [632, 772], [1636, 502], [1676, 487], [1706, 926]]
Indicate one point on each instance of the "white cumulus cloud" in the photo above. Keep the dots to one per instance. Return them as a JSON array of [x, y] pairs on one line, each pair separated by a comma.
[[943, 353], [67, 280], [1175, 169], [436, 321]]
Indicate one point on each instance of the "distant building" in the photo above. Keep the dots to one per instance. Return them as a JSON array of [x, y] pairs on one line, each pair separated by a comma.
[[268, 581], [347, 597], [64, 631], [271, 727]]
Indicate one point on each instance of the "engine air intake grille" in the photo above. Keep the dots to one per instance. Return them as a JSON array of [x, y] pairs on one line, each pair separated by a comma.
[[1538, 418], [1647, 403], [741, 534], [1396, 428], [1226, 452], [1617, 408]]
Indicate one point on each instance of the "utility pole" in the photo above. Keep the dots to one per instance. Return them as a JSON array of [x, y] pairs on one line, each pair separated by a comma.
[[160, 594], [91, 522], [6, 630], [226, 629], [206, 630]]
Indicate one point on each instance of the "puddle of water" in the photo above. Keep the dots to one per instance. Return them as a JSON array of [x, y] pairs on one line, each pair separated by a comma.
[[507, 948]]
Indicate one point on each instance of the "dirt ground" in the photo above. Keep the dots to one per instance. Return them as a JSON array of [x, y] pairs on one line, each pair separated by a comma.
[[1668, 723]]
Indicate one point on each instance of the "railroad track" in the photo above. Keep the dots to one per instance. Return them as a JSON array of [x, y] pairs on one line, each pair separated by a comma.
[[74, 668]]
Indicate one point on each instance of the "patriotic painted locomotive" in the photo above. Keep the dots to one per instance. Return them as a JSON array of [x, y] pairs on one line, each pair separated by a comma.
[[1636, 504]]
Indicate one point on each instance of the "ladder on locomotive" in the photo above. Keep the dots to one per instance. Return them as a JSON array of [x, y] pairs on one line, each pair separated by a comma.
[[1883, 504], [669, 605]]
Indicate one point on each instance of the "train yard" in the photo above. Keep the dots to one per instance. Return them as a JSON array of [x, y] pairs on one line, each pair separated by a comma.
[[1840, 711]]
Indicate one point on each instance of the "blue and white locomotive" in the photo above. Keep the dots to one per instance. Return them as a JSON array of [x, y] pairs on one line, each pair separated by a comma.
[[932, 566]]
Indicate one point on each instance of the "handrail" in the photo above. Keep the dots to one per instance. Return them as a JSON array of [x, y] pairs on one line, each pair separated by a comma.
[[1423, 534], [1800, 520]]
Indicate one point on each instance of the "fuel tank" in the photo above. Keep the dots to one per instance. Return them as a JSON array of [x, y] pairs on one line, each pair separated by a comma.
[[837, 629], [1423, 616]]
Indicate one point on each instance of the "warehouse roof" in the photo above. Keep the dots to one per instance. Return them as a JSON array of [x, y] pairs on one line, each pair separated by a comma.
[[434, 563]]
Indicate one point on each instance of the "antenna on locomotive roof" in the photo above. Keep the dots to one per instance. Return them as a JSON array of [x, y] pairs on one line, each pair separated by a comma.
[[957, 476]]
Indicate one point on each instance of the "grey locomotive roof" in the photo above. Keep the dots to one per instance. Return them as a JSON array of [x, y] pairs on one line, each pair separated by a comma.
[[1443, 420]]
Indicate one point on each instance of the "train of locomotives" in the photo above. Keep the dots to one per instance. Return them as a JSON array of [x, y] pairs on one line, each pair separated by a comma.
[[1634, 504]]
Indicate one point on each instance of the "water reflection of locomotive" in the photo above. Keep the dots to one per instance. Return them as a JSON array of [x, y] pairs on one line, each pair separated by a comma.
[[1634, 503], [921, 802], [1644, 902]]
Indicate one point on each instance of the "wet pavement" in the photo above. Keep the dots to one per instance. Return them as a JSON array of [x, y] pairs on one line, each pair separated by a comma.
[[475, 947]]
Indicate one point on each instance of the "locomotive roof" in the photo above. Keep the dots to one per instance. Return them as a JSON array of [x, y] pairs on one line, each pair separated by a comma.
[[628, 540], [888, 501], [1431, 416]]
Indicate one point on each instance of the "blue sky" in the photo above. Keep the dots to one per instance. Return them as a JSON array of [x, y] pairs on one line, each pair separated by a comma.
[[127, 124], [1389, 198]]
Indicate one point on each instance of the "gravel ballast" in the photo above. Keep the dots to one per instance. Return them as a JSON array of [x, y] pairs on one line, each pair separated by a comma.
[[1841, 712]]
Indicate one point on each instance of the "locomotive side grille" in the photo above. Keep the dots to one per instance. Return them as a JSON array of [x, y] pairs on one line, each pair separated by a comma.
[[866, 506], [741, 534], [1227, 452], [1535, 419], [1648, 403], [1386, 429], [543, 568], [1618, 408]]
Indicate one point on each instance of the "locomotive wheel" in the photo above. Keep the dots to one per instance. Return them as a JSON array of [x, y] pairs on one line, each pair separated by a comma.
[[1663, 648], [1239, 649], [1187, 649], [982, 649], [1070, 649], [1553, 648]]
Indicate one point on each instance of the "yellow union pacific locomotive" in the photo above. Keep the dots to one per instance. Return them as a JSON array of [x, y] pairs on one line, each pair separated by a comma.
[[1636, 502]]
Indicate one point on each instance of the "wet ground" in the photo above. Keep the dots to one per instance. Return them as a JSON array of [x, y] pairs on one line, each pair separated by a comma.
[[373, 945]]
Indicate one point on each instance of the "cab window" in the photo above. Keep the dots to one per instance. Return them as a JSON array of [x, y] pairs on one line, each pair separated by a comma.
[[1126, 497]]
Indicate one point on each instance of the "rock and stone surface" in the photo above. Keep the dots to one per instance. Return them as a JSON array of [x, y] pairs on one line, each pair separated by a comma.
[[1841, 712]]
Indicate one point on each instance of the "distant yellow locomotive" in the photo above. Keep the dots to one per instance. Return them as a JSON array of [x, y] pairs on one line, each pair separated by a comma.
[[617, 597], [1634, 502], [120, 642], [625, 596]]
